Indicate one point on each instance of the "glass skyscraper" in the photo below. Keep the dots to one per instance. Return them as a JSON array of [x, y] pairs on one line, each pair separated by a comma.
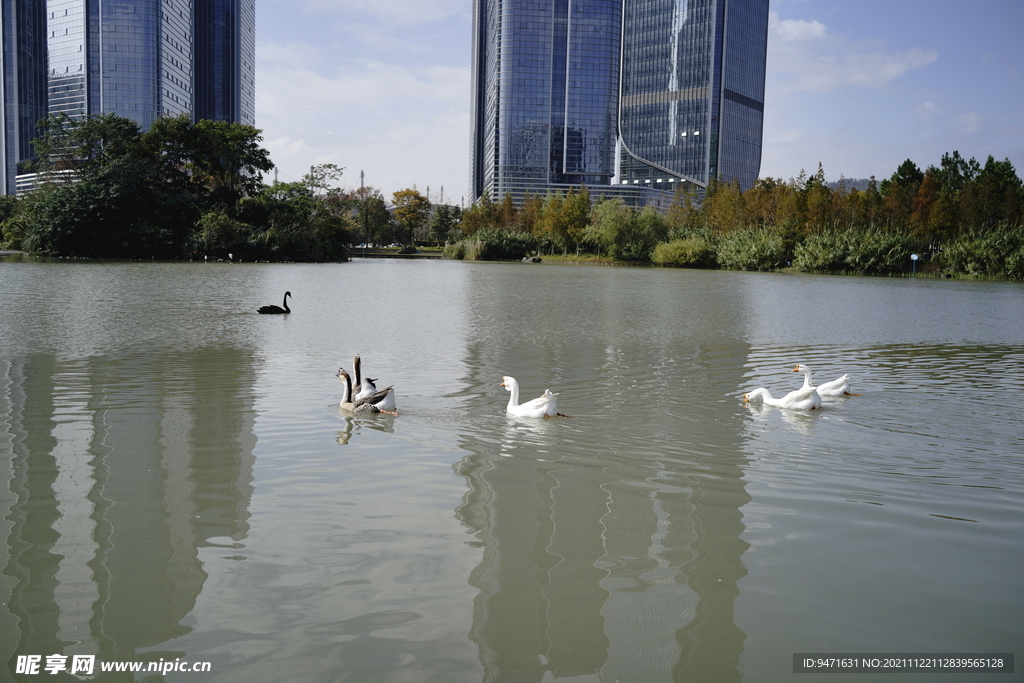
[[634, 95], [22, 82], [140, 60]]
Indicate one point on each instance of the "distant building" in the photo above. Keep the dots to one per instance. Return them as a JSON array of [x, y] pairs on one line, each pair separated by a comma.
[[630, 97], [140, 60]]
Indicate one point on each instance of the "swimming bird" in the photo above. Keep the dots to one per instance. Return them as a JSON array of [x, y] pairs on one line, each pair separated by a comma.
[[366, 387], [544, 406], [276, 309], [369, 404], [804, 398], [836, 387]]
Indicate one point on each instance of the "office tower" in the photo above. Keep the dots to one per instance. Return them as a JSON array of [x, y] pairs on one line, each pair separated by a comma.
[[630, 97], [225, 71], [22, 83], [139, 60]]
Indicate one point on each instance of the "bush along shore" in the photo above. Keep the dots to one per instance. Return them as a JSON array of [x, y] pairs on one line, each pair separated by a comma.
[[960, 218]]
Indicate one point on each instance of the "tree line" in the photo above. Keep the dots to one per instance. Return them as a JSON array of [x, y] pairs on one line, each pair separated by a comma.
[[185, 190], [963, 216]]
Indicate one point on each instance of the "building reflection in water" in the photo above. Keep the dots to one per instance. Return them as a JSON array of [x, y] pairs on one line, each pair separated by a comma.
[[612, 557], [119, 470]]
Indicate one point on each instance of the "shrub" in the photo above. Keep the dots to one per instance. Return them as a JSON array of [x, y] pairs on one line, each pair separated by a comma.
[[690, 251], [853, 251], [491, 244], [454, 250], [991, 253], [751, 249]]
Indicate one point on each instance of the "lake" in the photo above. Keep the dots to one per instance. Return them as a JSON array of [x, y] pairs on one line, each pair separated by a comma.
[[179, 484]]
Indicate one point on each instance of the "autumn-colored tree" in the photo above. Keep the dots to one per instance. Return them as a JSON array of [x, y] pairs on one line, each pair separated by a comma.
[[530, 214], [506, 214], [412, 210], [818, 201], [552, 224], [899, 191], [924, 202], [576, 215], [723, 206], [682, 211]]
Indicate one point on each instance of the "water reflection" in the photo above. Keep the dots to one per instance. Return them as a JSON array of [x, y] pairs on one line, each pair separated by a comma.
[[611, 541], [353, 424], [120, 470]]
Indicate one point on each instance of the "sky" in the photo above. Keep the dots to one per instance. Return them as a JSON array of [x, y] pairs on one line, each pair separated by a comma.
[[382, 88]]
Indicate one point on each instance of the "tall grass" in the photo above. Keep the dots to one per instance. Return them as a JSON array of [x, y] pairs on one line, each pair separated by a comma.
[[755, 248], [991, 253], [866, 251]]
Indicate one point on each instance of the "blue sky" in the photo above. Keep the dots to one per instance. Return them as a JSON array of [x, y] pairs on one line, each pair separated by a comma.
[[382, 86]]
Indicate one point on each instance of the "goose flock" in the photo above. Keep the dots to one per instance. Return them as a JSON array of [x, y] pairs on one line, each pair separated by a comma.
[[807, 397], [360, 395]]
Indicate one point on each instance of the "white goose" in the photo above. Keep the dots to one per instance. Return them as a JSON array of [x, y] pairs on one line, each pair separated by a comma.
[[837, 387], [373, 403], [543, 406], [804, 398], [366, 387]]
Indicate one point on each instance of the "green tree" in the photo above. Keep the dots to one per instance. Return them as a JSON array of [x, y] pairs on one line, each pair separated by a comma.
[[623, 234], [444, 223], [84, 145]]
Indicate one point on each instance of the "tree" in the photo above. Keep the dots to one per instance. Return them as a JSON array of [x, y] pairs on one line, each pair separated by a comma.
[[411, 211], [723, 205], [898, 193], [553, 222], [444, 222], [576, 216], [682, 212], [323, 178], [84, 145]]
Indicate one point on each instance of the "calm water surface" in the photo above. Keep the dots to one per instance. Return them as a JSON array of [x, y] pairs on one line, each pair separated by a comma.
[[178, 481]]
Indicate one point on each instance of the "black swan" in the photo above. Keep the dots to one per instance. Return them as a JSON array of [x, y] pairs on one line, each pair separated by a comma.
[[276, 309]]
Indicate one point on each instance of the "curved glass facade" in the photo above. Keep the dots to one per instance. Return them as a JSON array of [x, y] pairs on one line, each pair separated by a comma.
[[545, 85], [666, 90], [693, 90]]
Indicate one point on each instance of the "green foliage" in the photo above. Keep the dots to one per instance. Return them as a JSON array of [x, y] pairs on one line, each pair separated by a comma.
[[444, 223], [871, 251], [753, 248], [623, 234], [491, 244], [455, 250], [116, 211], [987, 253], [692, 252], [179, 189]]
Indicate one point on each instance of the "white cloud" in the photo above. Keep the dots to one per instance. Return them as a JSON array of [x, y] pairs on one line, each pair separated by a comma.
[[402, 124], [393, 12], [796, 29], [803, 56], [295, 79]]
